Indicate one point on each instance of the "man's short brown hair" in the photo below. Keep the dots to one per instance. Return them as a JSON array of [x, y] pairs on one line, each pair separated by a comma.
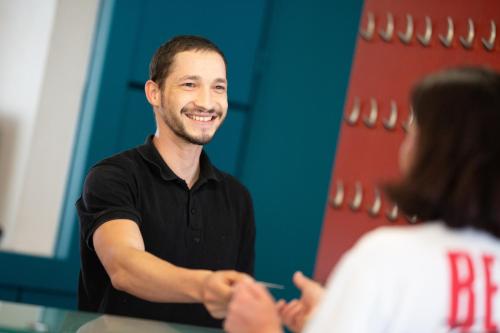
[[161, 62]]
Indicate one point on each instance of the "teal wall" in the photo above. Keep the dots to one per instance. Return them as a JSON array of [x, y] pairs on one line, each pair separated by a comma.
[[289, 64], [293, 130]]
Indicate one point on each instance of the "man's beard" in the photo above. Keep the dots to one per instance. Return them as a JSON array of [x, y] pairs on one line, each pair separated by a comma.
[[175, 124]]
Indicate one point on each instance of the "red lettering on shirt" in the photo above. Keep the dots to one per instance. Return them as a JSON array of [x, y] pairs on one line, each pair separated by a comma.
[[490, 289], [462, 279]]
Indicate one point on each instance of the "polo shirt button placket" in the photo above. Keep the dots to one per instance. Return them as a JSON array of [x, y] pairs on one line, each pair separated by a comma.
[[196, 238]]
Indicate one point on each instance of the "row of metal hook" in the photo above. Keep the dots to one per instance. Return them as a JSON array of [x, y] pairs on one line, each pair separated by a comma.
[[338, 199], [408, 34], [370, 120]]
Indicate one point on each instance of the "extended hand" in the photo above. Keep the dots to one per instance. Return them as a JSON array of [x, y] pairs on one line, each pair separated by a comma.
[[296, 313], [252, 310], [218, 289]]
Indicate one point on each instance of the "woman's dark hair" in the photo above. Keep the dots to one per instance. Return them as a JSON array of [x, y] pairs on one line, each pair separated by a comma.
[[455, 174], [162, 60]]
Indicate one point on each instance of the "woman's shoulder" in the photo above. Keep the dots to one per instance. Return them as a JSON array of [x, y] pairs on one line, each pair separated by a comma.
[[429, 237], [402, 232], [395, 240]]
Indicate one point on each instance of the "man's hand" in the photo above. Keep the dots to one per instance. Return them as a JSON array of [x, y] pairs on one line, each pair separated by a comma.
[[218, 289], [296, 313], [252, 310]]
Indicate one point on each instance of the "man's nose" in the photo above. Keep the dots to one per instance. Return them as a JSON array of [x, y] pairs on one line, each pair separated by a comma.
[[204, 99]]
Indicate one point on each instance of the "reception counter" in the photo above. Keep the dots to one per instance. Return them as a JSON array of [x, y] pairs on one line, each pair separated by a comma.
[[16, 317]]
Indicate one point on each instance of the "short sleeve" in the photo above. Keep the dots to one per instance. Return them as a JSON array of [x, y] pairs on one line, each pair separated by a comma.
[[109, 193]]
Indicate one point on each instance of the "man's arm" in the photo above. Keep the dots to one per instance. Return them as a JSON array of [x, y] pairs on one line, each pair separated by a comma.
[[120, 248]]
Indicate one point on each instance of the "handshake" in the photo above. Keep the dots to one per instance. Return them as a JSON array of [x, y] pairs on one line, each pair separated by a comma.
[[248, 306]]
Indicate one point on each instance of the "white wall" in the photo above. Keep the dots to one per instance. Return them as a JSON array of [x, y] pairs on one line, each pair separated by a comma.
[[42, 78]]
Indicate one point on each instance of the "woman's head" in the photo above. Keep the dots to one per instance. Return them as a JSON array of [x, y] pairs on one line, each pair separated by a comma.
[[451, 158]]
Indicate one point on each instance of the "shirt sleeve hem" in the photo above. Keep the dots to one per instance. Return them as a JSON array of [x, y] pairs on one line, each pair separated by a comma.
[[109, 216]]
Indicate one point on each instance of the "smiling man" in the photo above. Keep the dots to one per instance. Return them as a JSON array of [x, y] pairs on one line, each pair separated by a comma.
[[163, 230]]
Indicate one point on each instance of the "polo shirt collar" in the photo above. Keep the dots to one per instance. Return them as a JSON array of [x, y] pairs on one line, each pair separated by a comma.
[[149, 152]]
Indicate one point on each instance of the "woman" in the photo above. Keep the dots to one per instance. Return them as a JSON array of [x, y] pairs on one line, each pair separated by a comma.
[[437, 276]]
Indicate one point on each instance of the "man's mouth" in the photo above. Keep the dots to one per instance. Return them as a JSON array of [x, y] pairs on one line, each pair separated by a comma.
[[201, 118]]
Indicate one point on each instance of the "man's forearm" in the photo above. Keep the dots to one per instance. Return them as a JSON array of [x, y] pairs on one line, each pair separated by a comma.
[[145, 276]]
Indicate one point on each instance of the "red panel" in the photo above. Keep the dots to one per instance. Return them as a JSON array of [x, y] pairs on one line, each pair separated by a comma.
[[386, 71]]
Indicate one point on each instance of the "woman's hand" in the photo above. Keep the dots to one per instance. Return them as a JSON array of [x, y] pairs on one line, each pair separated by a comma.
[[252, 310], [296, 313]]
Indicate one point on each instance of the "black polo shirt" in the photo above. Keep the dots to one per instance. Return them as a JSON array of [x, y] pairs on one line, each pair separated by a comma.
[[210, 226]]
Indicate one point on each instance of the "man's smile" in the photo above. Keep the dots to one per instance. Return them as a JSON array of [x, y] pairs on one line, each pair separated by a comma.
[[202, 118]]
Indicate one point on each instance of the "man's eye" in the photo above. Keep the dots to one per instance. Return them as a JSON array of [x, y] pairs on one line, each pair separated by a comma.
[[220, 88], [188, 84]]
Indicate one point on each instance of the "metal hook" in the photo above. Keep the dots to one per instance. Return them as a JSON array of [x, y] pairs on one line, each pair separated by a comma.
[[408, 34], [338, 199], [392, 214], [409, 121], [353, 116], [389, 28], [412, 219], [358, 197], [371, 120], [374, 209], [425, 40], [490, 43], [370, 27], [469, 40], [390, 123], [448, 39]]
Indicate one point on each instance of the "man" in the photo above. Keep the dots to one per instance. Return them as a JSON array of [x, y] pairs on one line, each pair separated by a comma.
[[161, 227]]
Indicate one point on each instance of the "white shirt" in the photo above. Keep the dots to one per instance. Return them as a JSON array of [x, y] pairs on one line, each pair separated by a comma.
[[407, 279]]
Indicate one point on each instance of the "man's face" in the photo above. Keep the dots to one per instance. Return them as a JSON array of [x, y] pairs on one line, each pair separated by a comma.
[[194, 97]]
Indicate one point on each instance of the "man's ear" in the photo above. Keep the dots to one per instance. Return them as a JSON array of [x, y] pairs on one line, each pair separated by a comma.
[[153, 93]]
